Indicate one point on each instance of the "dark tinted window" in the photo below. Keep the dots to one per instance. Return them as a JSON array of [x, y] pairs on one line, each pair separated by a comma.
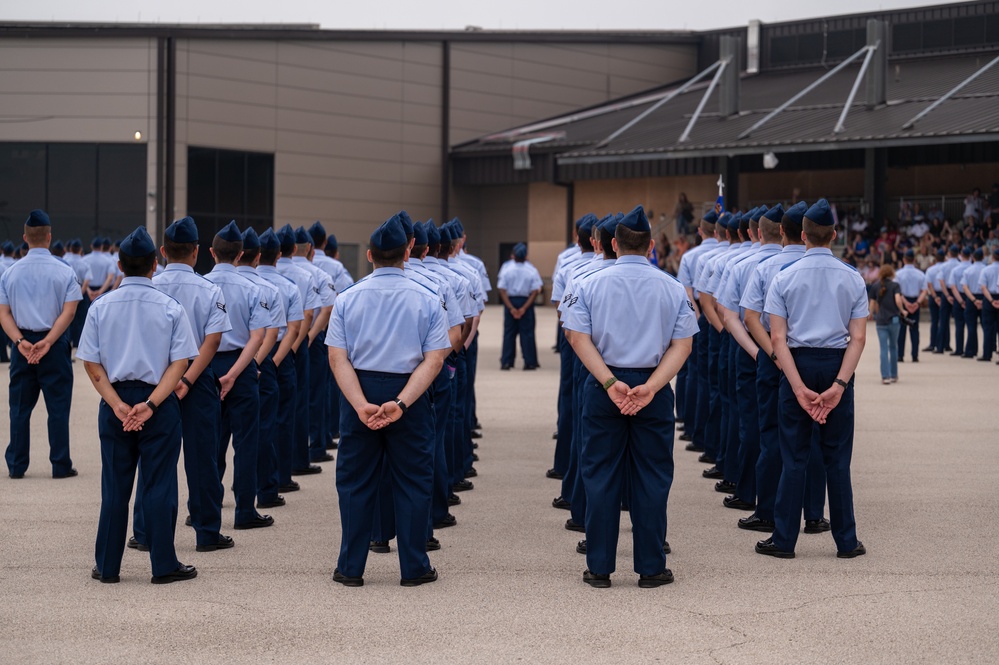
[[22, 185]]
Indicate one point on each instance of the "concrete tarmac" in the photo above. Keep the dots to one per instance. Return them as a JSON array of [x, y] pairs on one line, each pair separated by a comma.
[[926, 460]]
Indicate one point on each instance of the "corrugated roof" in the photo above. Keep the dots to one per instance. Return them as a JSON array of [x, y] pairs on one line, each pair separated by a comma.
[[911, 87]]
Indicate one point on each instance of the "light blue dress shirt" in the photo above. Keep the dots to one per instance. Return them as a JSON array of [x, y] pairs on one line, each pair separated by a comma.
[[201, 299], [324, 282], [818, 295], [706, 263], [520, 280], [474, 282], [989, 279], [335, 269], [580, 272], [560, 277], [462, 289], [933, 277], [99, 267], [36, 288], [954, 276], [754, 296], [632, 312], [242, 303], [480, 269], [387, 322], [946, 269], [911, 280], [970, 278], [135, 332], [415, 268], [722, 263], [688, 262], [307, 286], [291, 297], [270, 299], [738, 276]]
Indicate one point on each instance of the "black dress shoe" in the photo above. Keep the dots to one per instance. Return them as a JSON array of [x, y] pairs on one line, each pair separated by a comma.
[[449, 520], [476, 434], [754, 523], [947, 348], [686, 436], [425, 578], [859, 550], [956, 353], [471, 473], [224, 543], [768, 548], [276, 503], [529, 368], [325, 457], [724, 487], [706, 459], [713, 472], [340, 578], [462, 486], [134, 544], [290, 487], [984, 360], [307, 471], [475, 457], [572, 526], [505, 367], [652, 581], [179, 575], [915, 360], [96, 575], [433, 545], [737, 503], [187, 521], [258, 522], [72, 473], [581, 546], [16, 476], [694, 448], [332, 445], [453, 500], [597, 581], [929, 348], [666, 548], [379, 547], [553, 474], [937, 353], [817, 526], [555, 435], [475, 446], [560, 503]]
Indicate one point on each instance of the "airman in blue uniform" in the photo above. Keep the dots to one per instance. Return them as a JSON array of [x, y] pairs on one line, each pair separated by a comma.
[[947, 303], [136, 370], [988, 285], [818, 316], [38, 299], [912, 282], [386, 416], [972, 301], [935, 297], [518, 287], [952, 281]]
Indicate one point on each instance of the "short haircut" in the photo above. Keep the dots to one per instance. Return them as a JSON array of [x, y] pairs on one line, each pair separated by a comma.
[[330, 251], [632, 241], [175, 251], [605, 244], [769, 230], [387, 258], [435, 249], [708, 228], [817, 234], [269, 257], [226, 251], [792, 229], [137, 266], [248, 255], [287, 249], [418, 250], [36, 235], [303, 249], [583, 240]]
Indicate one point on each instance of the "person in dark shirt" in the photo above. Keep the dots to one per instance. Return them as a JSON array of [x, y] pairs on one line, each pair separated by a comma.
[[886, 306]]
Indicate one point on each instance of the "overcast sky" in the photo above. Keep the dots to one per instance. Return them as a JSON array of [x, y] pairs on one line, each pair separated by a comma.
[[452, 14]]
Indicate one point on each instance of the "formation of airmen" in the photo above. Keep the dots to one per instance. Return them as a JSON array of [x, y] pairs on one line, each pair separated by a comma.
[[763, 331], [960, 287], [245, 354]]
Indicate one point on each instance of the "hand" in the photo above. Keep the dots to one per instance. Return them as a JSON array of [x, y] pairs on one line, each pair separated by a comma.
[[937, 301], [121, 411], [137, 417], [806, 400], [38, 351], [387, 413], [25, 348], [618, 393], [638, 398], [950, 300], [225, 385], [978, 304], [826, 402], [366, 413], [181, 390]]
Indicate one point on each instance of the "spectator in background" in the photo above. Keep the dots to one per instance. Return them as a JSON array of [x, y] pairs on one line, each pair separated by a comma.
[[684, 214], [861, 249], [993, 213], [870, 271], [905, 216], [973, 207], [886, 306], [680, 247]]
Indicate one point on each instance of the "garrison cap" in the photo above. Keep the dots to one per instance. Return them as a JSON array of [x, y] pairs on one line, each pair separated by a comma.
[[433, 233], [758, 213], [269, 240], [7, 246], [331, 242], [520, 251], [820, 213], [636, 220], [711, 217], [796, 212], [775, 214], [230, 233], [302, 236], [909, 254], [979, 254], [37, 217], [57, 245], [137, 244], [286, 236], [966, 250], [317, 232], [250, 239], [182, 230], [457, 225], [390, 235], [420, 234]]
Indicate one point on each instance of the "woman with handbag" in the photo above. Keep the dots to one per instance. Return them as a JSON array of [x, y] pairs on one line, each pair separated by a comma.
[[886, 307]]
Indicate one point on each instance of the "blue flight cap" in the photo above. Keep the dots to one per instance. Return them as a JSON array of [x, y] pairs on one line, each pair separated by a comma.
[[520, 251], [581, 220], [995, 252], [979, 254], [57, 245], [390, 235], [230, 233], [8, 247], [75, 243], [317, 233], [37, 218], [302, 236], [820, 213], [636, 220], [433, 233], [105, 242], [711, 217], [24, 248], [269, 240], [954, 249], [796, 212], [909, 254], [137, 244], [723, 219], [445, 234], [97, 241], [775, 214], [588, 223], [758, 213], [331, 242], [286, 236], [406, 221], [420, 234], [183, 230], [609, 224], [966, 251], [459, 227], [250, 239]]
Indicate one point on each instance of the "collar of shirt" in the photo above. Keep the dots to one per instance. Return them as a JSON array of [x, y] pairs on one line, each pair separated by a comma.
[[708, 241], [747, 243], [379, 272], [266, 269], [300, 259], [723, 243], [136, 281], [772, 244], [246, 269], [285, 260], [431, 260], [631, 258], [793, 249], [181, 267], [224, 267], [818, 250], [38, 251]]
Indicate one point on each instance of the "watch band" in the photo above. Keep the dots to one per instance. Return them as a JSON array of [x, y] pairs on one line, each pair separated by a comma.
[[18, 342], [152, 407], [841, 382], [187, 383], [610, 382], [773, 356], [402, 405]]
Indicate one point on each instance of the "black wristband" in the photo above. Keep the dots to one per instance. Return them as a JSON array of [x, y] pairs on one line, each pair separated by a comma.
[[152, 407], [773, 356], [187, 383], [841, 382], [402, 405]]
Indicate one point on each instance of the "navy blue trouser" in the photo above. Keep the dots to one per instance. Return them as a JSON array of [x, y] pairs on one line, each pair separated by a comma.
[[524, 327], [632, 454], [406, 448], [80, 318], [473, 365], [286, 416], [702, 400], [913, 332], [268, 479], [563, 438], [300, 444], [200, 412], [460, 389], [681, 391], [333, 392], [730, 464], [440, 391], [52, 377], [990, 323], [958, 313], [157, 447], [971, 315], [241, 421], [712, 422], [572, 470], [723, 401], [578, 492], [818, 368], [319, 370], [749, 426], [5, 347], [934, 321], [943, 331]]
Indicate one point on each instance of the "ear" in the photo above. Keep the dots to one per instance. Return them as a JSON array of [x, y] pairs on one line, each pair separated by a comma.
[[370, 260], [238, 257], [652, 246], [614, 245]]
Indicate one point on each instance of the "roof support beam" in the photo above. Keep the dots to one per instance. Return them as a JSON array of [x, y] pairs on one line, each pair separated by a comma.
[[856, 86], [950, 94], [704, 100], [822, 79], [652, 109]]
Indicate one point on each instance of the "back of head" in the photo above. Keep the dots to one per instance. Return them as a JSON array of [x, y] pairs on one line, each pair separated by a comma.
[[633, 233], [37, 229], [818, 223], [790, 223], [227, 244], [137, 253]]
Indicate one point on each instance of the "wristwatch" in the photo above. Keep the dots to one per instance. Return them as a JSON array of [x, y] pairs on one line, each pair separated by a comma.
[[402, 405], [773, 356], [152, 407], [841, 383]]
